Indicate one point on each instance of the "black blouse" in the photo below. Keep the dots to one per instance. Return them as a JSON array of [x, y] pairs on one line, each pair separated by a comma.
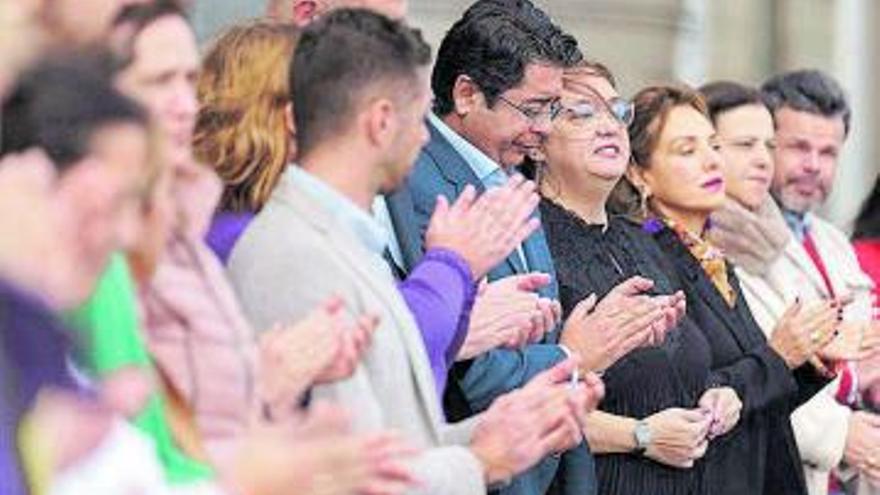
[[594, 259]]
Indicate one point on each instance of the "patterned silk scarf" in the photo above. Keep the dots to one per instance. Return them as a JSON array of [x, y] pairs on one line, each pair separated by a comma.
[[711, 258]]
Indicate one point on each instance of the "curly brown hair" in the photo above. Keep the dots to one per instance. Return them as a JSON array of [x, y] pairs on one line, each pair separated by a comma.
[[241, 128]]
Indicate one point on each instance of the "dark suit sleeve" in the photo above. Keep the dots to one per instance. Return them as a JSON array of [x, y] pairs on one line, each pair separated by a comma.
[[575, 475], [810, 382], [502, 370], [760, 377]]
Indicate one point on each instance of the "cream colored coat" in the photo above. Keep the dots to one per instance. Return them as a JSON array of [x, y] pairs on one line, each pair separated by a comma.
[[821, 424]]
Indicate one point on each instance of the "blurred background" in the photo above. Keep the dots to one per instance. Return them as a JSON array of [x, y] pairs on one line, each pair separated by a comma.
[[696, 41]]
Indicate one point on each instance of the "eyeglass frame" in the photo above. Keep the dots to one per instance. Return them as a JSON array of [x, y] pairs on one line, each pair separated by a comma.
[[608, 108], [554, 106]]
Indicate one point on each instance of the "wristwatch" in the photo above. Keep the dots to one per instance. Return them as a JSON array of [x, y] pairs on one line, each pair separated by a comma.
[[642, 436]]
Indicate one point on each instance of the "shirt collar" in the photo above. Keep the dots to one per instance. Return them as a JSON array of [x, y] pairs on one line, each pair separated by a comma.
[[798, 223], [361, 223], [482, 165]]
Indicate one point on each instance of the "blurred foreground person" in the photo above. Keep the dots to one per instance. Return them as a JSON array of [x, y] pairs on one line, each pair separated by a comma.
[[230, 382]]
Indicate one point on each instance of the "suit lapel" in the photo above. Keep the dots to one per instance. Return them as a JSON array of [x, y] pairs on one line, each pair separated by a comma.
[[349, 249], [451, 164], [459, 174], [797, 255], [696, 277], [538, 257]]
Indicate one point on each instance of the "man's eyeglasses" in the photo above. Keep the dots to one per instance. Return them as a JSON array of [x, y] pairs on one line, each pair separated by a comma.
[[534, 113], [622, 110]]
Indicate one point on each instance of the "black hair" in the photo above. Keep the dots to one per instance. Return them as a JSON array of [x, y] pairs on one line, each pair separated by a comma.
[[868, 222], [722, 96], [59, 105], [810, 91], [341, 56], [493, 43]]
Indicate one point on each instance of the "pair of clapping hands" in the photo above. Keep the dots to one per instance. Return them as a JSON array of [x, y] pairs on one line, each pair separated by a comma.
[[510, 313]]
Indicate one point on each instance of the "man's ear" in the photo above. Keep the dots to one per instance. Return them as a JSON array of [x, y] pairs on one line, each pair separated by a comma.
[[381, 123], [466, 96], [304, 11]]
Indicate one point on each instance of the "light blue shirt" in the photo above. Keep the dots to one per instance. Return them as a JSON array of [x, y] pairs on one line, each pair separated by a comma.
[[798, 223], [370, 232], [383, 217], [484, 167]]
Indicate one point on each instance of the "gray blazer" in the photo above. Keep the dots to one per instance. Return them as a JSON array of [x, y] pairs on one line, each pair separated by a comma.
[[292, 257]]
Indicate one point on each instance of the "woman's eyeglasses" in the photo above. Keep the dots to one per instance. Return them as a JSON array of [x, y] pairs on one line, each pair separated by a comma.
[[622, 110]]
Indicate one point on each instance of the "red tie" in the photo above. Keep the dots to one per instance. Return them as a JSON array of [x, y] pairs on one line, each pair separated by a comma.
[[846, 382], [810, 247]]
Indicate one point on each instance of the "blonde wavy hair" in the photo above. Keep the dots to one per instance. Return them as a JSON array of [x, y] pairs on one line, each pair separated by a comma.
[[241, 128]]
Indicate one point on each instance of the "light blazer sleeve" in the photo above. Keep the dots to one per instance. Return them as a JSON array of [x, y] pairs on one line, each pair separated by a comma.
[[278, 281]]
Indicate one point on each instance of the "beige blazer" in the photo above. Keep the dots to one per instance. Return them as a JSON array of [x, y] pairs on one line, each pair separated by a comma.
[[821, 424], [292, 257]]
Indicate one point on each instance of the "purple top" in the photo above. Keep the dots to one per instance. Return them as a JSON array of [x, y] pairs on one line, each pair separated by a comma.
[[226, 228], [34, 347], [439, 292]]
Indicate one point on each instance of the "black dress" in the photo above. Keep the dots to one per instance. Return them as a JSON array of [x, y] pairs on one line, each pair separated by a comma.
[[760, 455], [592, 259]]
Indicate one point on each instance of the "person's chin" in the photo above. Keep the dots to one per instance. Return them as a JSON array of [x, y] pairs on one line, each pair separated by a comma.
[[752, 198], [795, 203], [607, 170], [514, 157], [714, 200]]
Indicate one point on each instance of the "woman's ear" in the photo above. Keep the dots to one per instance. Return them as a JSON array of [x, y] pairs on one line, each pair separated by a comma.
[[636, 176]]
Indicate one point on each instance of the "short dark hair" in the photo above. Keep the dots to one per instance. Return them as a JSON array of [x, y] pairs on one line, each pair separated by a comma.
[[492, 43], [722, 96], [810, 91], [341, 56], [59, 105]]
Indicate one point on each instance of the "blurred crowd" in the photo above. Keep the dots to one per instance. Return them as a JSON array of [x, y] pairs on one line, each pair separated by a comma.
[[319, 256]]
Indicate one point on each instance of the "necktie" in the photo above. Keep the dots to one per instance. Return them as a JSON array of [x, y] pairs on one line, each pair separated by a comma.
[[810, 247]]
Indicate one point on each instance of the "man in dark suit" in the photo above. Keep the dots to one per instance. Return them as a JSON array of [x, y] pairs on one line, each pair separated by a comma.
[[497, 82]]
